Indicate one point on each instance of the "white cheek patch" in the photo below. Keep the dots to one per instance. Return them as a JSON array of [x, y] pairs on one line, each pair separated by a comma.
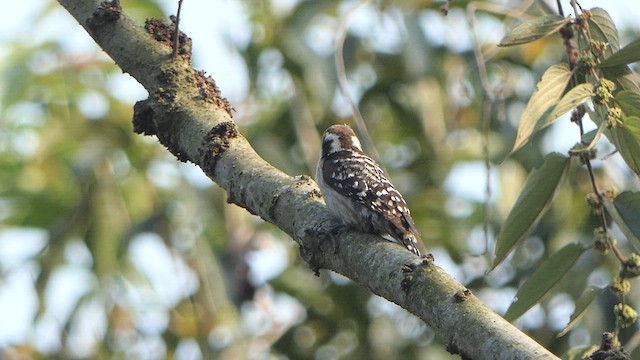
[[355, 142]]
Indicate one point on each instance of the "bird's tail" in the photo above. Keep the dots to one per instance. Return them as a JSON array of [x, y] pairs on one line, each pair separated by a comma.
[[413, 244]]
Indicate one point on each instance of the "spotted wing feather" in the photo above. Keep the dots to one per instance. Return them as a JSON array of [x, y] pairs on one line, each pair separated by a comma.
[[344, 171]]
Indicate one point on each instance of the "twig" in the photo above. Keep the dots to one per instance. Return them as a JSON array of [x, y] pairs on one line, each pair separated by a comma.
[[490, 97], [176, 35], [344, 85]]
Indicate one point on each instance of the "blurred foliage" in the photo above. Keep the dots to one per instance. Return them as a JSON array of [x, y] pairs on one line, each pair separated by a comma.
[[131, 254]]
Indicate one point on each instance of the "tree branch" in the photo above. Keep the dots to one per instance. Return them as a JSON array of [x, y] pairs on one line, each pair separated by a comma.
[[185, 111]]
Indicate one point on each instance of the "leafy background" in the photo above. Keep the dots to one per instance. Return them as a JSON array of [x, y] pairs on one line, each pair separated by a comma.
[[111, 248]]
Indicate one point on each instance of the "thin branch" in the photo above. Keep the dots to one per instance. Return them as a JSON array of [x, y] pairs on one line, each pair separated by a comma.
[[343, 84], [176, 35], [567, 34], [490, 94]]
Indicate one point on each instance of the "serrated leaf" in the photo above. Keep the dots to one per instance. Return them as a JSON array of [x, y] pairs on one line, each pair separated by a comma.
[[534, 29], [627, 55], [532, 203], [543, 279], [569, 101], [629, 102], [587, 297], [546, 96], [628, 205], [603, 28], [626, 138], [625, 211], [622, 77]]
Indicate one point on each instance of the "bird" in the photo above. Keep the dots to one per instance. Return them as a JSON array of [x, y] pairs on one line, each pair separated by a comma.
[[357, 192]]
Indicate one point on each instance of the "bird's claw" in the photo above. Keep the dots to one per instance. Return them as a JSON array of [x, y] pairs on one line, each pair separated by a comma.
[[319, 241]]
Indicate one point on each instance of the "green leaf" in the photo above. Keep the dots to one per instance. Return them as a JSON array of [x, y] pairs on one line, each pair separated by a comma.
[[625, 211], [629, 102], [532, 203], [587, 297], [579, 352], [534, 29], [603, 28], [569, 101], [627, 55], [588, 137], [541, 104], [626, 138], [622, 77], [628, 205], [543, 279]]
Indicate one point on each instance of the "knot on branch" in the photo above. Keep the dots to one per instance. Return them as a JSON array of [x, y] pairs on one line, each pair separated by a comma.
[[146, 123], [143, 121], [409, 269], [209, 91], [316, 240], [108, 11], [164, 33], [215, 143], [609, 350], [462, 295]]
